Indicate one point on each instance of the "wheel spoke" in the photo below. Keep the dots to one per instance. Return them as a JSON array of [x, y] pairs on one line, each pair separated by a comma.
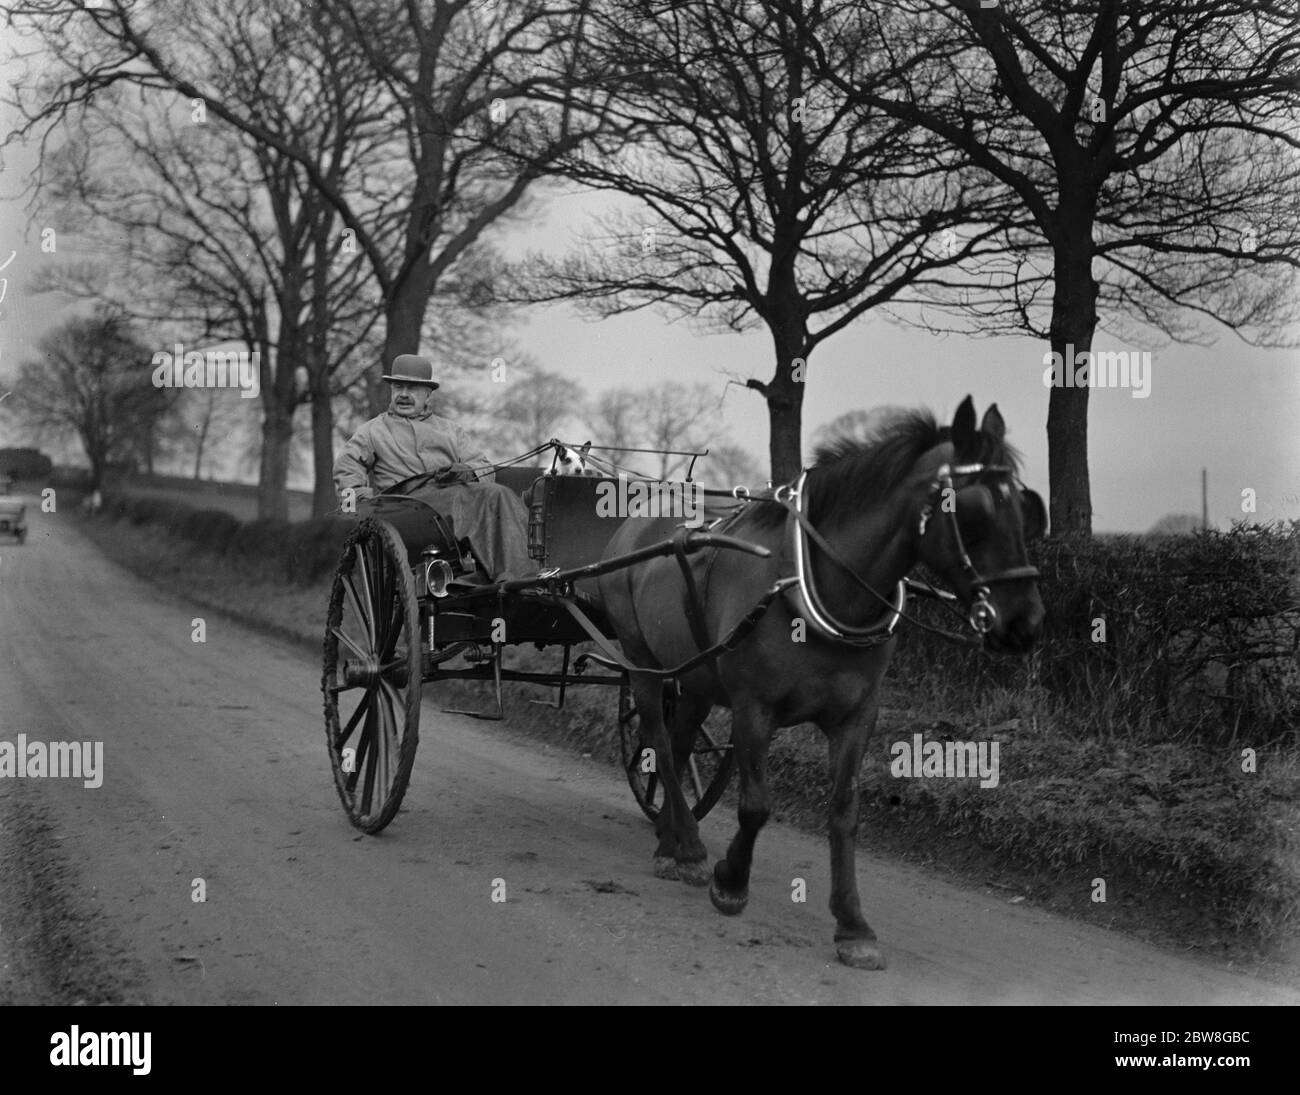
[[396, 704], [712, 745], [363, 745], [375, 579], [356, 602], [352, 722], [369, 737], [394, 631], [349, 642], [369, 599], [695, 779]]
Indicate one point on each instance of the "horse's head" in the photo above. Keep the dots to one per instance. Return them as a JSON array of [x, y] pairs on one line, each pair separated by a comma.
[[973, 527]]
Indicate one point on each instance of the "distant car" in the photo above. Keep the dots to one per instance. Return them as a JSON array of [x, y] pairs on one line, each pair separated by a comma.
[[13, 516]]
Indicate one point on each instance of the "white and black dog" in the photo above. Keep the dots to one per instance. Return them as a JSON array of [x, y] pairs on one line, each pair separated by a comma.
[[572, 461]]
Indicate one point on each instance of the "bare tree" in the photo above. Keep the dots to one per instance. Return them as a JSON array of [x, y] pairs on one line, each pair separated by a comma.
[[672, 419], [535, 406], [1151, 145], [93, 382], [449, 88], [729, 465], [760, 198], [616, 417], [221, 238], [201, 421]]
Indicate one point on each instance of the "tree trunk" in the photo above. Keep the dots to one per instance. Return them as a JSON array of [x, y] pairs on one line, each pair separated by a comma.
[[201, 441], [784, 395], [1074, 320], [322, 449], [273, 476], [403, 320], [150, 442], [785, 447], [279, 401]]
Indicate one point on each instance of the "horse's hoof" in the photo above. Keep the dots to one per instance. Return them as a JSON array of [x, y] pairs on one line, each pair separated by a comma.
[[666, 868], [861, 954], [695, 874], [727, 902]]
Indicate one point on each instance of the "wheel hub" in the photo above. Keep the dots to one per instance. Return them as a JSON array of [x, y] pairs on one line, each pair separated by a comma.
[[362, 673]]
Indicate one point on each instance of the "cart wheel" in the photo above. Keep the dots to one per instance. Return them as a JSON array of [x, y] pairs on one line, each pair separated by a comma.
[[706, 775], [372, 677]]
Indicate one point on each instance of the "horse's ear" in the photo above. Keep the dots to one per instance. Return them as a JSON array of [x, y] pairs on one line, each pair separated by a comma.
[[993, 425], [964, 440], [585, 448]]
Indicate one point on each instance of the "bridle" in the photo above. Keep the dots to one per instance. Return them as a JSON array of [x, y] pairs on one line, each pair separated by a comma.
[[981, 617]]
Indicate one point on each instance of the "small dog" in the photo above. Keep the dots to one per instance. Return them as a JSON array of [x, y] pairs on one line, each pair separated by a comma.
[[572, 461]]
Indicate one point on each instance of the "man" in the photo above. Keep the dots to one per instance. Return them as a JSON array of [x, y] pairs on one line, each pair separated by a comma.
[[409, 439]]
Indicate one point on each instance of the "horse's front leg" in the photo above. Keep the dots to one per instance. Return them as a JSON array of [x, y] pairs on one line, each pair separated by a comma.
[[752, 726], [680, 853], [855, 942]]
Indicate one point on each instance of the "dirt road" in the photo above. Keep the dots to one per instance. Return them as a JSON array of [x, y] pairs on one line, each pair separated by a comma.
[[216, 785]]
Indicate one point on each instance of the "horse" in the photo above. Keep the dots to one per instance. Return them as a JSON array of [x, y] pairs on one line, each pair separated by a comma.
[[863, 516]]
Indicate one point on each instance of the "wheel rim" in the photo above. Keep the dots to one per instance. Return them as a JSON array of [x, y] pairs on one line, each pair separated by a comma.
[[704, 777], [372, 679]]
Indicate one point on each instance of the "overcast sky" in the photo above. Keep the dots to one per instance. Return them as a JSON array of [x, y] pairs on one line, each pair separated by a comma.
[[1230, 408]]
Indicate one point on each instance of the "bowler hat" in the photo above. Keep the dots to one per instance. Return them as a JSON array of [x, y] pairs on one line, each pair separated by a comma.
[[412, 369]]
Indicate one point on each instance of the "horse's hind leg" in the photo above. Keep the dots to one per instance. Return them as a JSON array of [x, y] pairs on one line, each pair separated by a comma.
[[855, 942], [752, 726], [680, 854], [689, 713]]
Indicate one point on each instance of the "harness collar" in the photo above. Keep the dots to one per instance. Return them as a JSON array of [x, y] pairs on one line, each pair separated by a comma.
[[809, 602]]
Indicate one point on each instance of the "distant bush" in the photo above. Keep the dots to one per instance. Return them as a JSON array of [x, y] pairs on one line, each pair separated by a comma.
[[25, 464], [313, 547], [302, 552], [262, 545], [212, 529]]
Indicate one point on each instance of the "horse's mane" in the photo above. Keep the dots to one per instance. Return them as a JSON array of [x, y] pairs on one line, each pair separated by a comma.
[[860, 467]]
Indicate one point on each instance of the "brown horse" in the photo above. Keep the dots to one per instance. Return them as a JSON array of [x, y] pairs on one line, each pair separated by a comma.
[[842, 540]]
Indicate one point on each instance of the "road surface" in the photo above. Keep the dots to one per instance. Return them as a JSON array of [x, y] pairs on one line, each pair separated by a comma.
[[216, 785]]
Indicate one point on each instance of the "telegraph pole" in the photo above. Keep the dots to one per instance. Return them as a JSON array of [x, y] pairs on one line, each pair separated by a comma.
[[1205, 508]]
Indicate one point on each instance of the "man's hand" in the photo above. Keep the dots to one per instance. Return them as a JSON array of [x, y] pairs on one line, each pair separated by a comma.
[[456, 473]]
